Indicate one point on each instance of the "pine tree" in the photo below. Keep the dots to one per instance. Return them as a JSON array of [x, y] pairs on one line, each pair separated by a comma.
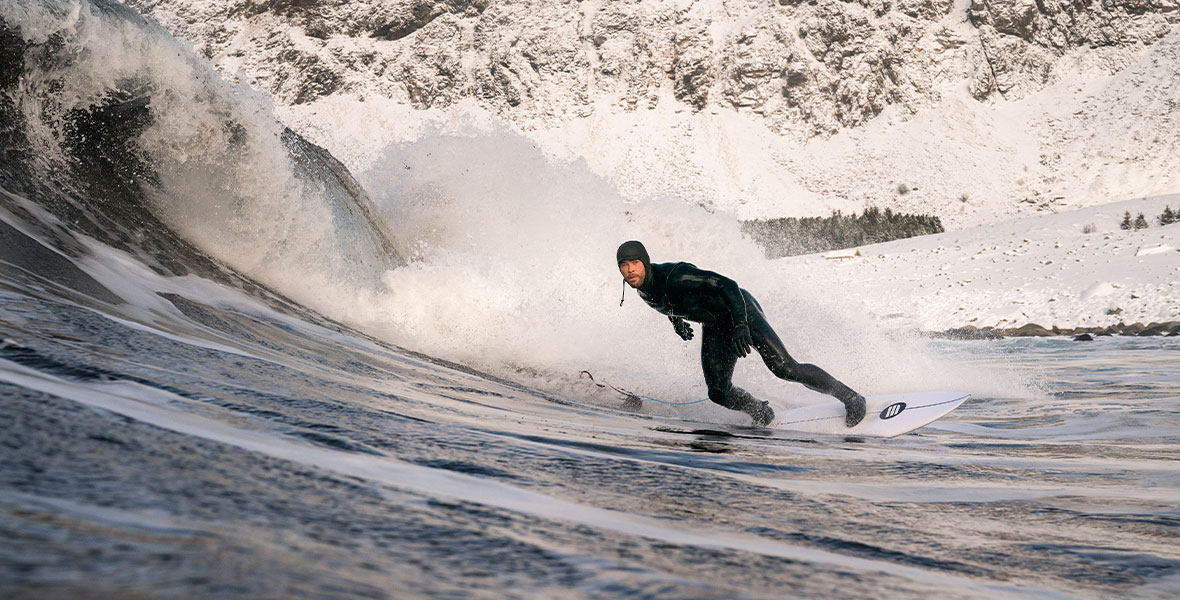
[[1168, 217], [1126, 224], [1141, 222]]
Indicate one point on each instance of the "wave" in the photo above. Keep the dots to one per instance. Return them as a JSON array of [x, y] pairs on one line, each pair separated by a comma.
[[111, 128]]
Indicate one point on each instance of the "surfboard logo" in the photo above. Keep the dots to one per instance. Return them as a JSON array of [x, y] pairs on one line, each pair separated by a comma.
[[892, 410]]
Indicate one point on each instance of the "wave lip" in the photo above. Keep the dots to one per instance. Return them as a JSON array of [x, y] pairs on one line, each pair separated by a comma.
[[117, 131]]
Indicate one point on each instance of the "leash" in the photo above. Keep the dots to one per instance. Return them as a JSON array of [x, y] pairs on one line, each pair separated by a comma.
[[628, 395]]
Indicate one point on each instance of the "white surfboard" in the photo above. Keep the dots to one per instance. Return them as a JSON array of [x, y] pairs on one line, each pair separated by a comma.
[[886, 415]]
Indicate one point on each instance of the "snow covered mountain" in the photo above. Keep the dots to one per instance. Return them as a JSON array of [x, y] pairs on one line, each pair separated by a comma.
[[974, 111]]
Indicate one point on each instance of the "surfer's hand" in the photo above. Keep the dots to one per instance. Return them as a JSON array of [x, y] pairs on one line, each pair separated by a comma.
[[742, 340], [683, 329]]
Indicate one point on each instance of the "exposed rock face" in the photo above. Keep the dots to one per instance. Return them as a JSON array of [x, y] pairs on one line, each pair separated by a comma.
[[1022, 40], [761, 109], [805, 68]]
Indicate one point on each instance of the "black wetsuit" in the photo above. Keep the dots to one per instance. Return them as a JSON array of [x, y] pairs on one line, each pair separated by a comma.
[[683, 292]]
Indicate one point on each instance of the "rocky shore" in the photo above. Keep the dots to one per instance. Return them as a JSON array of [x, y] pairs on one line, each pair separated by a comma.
[[1168, 329]]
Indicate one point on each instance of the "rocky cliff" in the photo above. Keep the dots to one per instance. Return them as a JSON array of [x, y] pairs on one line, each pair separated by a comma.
[[800, 69], [805, 67], [1021, 41]]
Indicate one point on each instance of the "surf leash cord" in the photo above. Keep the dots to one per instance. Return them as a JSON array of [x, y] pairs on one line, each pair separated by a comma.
[[628, 396]]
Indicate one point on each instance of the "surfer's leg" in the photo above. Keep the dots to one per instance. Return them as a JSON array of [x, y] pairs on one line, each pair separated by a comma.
[[780, 362], [717, 360]]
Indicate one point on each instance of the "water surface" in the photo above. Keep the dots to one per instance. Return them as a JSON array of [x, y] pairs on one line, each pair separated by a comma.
[[229, 450]]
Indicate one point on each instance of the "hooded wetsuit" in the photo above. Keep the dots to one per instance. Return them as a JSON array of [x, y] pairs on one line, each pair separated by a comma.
[[684, 292]]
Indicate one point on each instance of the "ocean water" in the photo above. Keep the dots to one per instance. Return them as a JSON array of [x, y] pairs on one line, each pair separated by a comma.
[[209, 446], [230, 370]]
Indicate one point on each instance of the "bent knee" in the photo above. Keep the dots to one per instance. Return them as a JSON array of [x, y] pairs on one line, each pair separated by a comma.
[[721, 397], [717, 395]]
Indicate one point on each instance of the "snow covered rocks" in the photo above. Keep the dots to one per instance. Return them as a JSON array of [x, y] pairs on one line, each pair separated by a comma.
[[664, 97]]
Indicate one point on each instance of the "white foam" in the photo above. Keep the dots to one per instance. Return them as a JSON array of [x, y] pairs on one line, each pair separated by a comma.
[[514, 272]]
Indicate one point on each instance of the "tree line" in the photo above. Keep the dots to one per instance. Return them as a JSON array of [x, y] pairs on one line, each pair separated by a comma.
[[1168, 217], [791, 236]]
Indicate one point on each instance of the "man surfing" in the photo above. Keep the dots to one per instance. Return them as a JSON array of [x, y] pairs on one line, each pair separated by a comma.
[[733, 323]]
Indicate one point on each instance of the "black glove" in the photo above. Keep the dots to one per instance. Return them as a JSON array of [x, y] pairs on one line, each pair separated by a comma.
[[683, 329], [742, 340]]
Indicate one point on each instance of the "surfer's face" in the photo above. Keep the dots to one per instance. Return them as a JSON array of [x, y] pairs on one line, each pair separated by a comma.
[[633, 272]]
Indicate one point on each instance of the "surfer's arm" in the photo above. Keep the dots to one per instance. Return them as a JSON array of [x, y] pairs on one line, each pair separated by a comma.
[[683, 329]]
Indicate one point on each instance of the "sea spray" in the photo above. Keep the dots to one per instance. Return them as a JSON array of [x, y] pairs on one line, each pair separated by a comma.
[[513, 271]]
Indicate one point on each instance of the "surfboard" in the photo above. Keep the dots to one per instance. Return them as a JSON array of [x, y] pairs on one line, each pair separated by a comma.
[[886, 415]]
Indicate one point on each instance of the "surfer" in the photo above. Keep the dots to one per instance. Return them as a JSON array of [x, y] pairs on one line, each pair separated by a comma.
[[733, 323]]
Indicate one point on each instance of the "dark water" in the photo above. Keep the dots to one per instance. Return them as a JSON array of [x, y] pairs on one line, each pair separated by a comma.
[[228, 450]]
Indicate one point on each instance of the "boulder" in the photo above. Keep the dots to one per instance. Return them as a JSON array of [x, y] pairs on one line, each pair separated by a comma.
[[1030, 330], [1133, 329], [1161, 329]]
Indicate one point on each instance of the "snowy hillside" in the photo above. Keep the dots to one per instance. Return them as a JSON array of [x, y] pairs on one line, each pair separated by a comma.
[[992, 116], [983, 111], [1069, 270]]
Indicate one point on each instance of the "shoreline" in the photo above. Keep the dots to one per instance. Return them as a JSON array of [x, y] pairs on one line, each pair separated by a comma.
[[970, 332]]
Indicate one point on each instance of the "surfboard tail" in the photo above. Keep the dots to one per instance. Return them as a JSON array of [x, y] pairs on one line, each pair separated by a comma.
[[887, 415]]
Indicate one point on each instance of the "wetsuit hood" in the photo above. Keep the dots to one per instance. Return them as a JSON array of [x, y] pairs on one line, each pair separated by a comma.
[[634, 250]]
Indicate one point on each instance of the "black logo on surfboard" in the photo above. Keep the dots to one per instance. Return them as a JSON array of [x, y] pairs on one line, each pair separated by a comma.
[[892, 410]]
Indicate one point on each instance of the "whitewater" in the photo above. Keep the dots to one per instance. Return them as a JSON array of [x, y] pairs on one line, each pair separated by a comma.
[[232, 365]]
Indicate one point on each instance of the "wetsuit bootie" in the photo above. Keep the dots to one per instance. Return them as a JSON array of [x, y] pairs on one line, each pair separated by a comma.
[[739, 399], [761, 412], [632, 403], [854, 409]]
